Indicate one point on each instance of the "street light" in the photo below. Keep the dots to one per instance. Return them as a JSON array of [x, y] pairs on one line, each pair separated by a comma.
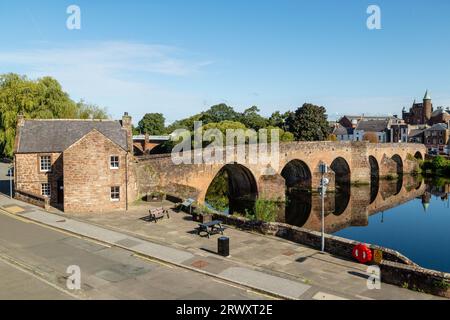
[[10, 172], [323, 168]]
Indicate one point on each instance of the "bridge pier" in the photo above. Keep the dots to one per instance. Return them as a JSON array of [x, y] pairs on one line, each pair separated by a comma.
[[272, 187]]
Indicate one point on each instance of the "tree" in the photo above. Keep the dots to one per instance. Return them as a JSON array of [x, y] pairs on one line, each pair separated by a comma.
[[187, 124], [252, 119], [90, 111], [309, 123], [35, 99], [219, 113], [284, 136], [371, 137], [153, 124], [280, 120]]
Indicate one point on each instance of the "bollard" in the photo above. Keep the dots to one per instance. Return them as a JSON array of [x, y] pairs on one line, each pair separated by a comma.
[[224, 246]]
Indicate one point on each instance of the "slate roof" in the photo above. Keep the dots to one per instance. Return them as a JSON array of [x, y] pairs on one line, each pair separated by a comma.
[[438, 127], [373, 125], [416, 132], [37, 136], [341, 130]]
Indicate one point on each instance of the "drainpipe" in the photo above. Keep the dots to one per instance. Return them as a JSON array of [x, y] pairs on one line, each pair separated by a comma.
[[126, 182]]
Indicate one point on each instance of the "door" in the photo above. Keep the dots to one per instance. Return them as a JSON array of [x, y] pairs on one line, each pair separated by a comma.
[[60, 187]]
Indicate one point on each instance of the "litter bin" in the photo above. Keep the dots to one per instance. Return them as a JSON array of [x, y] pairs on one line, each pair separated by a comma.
[[224, 246]]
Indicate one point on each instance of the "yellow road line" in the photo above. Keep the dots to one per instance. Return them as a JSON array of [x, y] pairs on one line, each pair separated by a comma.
[[68, 233]]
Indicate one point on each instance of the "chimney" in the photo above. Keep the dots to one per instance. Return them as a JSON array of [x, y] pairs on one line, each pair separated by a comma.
[[126, 124], [20, 120]]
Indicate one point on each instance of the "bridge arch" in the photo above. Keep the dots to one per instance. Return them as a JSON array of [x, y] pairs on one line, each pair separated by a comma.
[[342, 174], [297, 174], [399, 162], [374, 178], [235, 184], [418, 155]]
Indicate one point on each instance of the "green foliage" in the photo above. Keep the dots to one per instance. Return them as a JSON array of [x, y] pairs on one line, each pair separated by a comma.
[[253, 120], [310, 123], [277, 119], [283, 135], [439, 166], [265, 210], [36, 99], [217, 194], [439, 162], [219, 113], [186, 124], [152, 124]]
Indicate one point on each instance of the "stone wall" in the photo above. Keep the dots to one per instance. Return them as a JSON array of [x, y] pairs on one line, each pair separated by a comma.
[[29, 178], [32, 198], [88, 177], [395, 268]]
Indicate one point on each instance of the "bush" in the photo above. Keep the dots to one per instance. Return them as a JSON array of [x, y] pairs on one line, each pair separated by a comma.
[[265, 210]]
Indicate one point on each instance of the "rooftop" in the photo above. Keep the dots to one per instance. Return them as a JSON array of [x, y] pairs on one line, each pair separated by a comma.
[[56, 135], [373, 125]]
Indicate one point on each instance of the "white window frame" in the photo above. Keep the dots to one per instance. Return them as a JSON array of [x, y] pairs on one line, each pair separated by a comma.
[[113, 162], [115, 191], [46, 190], [41, 162]]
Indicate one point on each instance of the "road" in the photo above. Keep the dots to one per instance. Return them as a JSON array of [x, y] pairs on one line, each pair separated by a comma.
[[34, 260]]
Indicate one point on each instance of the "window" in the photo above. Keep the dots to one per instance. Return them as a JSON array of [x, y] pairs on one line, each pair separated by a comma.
[[45, 164], [45, 189], [115, 193], [114, 162]]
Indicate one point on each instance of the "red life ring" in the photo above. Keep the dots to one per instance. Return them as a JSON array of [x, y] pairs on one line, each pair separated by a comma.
[[362, 253]]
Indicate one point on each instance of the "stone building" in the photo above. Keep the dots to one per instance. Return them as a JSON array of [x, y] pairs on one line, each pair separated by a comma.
[[74, 165], [436, 138], [424, 113]]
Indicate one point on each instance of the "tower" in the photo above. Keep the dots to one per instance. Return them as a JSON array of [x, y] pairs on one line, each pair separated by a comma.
[[427, 107]]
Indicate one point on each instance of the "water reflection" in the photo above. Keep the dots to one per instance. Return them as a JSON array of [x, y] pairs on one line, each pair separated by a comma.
[[349, 205]]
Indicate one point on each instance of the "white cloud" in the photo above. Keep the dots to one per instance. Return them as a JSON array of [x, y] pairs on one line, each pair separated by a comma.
[[120, 75]]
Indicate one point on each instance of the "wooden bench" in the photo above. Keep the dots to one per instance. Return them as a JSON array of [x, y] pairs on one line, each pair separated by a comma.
[[186, 204], [158, 213], [211, 228]]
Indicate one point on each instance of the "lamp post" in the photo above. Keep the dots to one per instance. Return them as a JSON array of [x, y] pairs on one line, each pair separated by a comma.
[[10, 172], [323, 168]]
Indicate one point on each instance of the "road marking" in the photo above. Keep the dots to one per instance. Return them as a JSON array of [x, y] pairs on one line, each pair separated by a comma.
[[143, 257], [25, 269], [326, 296], [74, 235], [14, 209]]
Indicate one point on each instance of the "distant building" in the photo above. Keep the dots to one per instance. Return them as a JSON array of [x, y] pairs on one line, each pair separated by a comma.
[[342, 133], [385, 128], [380, 128], [436, 138], [349, 121], [423, 113]]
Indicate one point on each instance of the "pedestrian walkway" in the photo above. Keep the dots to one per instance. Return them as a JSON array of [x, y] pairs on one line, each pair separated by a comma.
[[322, 276]]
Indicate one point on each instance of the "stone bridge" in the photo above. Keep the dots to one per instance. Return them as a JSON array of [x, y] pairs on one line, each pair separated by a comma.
[[349, 163]]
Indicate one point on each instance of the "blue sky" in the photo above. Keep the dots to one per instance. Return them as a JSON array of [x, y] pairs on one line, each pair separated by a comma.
[[180, 57]]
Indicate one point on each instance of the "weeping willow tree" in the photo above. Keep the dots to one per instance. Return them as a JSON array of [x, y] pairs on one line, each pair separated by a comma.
[[36, 99]]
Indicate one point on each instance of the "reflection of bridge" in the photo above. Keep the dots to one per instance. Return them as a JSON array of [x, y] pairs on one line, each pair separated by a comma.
[[362, 203], [350, 162]]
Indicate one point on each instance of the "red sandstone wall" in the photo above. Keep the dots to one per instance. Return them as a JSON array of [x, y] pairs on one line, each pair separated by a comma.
[[88, 178]]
